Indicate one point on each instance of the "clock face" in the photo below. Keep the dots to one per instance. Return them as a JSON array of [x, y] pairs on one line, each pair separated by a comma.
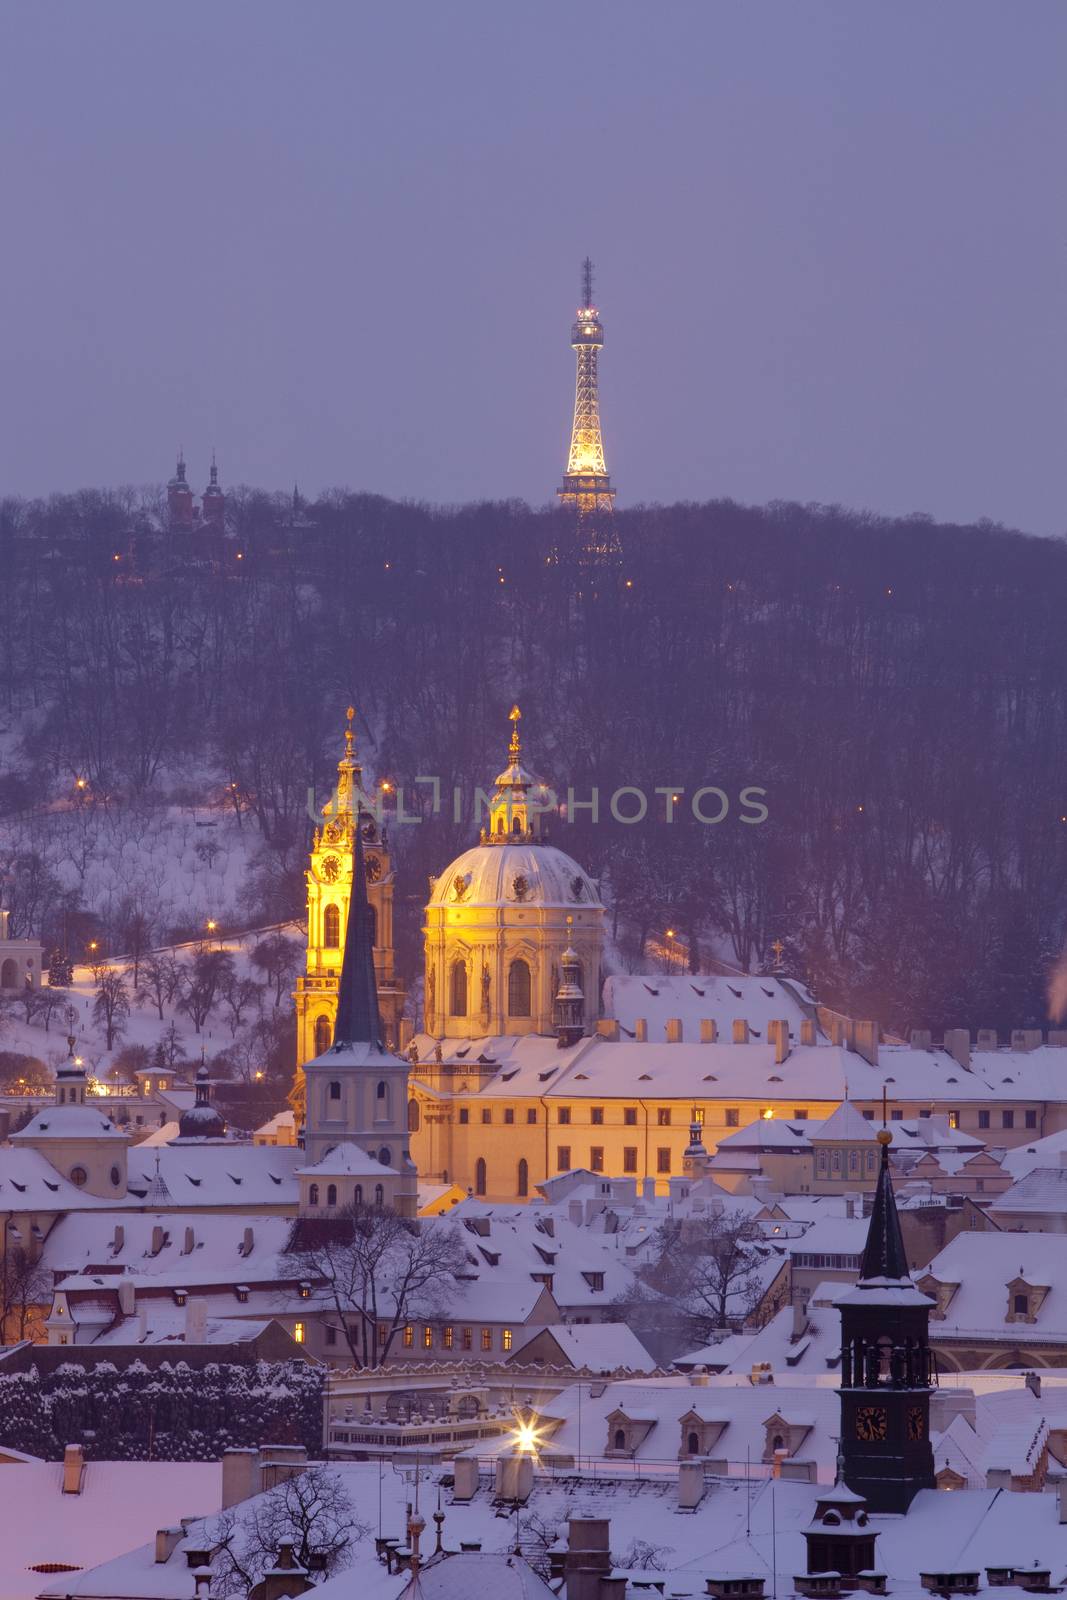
[[872, 1422], [916, 1423], [331, 869], [374, 869]]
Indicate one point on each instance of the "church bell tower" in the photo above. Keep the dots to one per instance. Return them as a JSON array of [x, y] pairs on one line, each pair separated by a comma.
[[887, 1369]]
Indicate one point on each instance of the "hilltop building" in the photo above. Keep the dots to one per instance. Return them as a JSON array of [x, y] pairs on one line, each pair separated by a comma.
[[183, 514]]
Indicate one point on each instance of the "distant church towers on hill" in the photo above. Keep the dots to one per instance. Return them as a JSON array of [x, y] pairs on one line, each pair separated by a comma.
[[183, 514]]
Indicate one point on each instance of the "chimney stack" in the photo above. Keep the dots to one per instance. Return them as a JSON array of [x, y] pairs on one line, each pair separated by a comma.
[[196, 1320], [709, 1030], [608, 1028], [740, 1030], [920, 1038], [807, 1031], [778, 1035], [1026, 1038], [987, 1039], [865, 1041], [958, 1044], [588, 1557], [127, 1297], [640, 1030], [674, 1030], [73, 1469], [167, 1541]]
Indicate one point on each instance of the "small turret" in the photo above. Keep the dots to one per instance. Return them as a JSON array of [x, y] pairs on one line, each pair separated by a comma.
[[201, 1121], [695, 1157], [214, 501], [180, 497], [570, 1001]]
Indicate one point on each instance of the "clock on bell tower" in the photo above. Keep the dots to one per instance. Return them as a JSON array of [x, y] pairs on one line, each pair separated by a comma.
[[329, 890], [887, 1369]]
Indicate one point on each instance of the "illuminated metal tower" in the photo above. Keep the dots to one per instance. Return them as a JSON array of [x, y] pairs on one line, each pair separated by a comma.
[[586, 484]]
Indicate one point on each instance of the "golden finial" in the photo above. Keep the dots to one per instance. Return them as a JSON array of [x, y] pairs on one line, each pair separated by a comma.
[[514, 748], [350, 738]]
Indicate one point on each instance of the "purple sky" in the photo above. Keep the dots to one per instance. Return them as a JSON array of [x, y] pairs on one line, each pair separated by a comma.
[[340, 241]]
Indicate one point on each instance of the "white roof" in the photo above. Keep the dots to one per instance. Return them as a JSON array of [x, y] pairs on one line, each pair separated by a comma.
[[596, 1346], [486, 876], [693, 998], [69, 1122], [846, 1123], [1043, 1190], [347, 1160], [983, 1264]]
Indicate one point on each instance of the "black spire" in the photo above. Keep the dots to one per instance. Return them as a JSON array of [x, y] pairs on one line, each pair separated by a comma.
[[884, 1255], [358, 1021]]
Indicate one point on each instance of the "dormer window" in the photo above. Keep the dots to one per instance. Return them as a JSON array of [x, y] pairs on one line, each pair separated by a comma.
[[1020, 1305]]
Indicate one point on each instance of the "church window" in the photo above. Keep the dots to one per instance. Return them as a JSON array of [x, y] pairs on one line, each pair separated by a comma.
[[629, 1158], [524, 1179], [629, 1116], [78, 1176], [322, 1035], [479, 1175], [414, 1116], [313, 1195], [663, 1160], [458, 989], [519, 989], [331, 1194], [563, 1158], [331, 927], [385, 1156], [335, 1090], [379, 1195]]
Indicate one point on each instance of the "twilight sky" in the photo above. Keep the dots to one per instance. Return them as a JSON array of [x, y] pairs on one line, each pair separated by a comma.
[[340, 242]]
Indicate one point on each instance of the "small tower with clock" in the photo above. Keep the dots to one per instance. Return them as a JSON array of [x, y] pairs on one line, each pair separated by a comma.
[[887, 1369], [329, 890]]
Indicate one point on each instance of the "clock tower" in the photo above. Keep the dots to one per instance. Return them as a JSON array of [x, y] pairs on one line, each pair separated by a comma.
[[887, 1369], [329, 891]]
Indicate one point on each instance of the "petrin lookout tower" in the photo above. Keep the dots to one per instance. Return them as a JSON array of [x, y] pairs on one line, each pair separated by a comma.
[[586, 485]]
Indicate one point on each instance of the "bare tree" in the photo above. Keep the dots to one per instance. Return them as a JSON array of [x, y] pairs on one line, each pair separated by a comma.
[[160, 980], [703, 1275], [212, 971], [377, 1269], [111, 1008], [25, 1286], [310, 1511], [239, 995], [278, 959]]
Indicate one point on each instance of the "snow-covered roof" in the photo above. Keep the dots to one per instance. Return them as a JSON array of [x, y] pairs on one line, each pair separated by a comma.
[[693, 999], [846, 1123], [486, 874], [1042, 1190], [347, 1160], [598, 1347], [982, 1265], [69, 1122]]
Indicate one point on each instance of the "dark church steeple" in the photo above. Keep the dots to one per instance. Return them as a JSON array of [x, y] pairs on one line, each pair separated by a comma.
[[358, 1018], [886, 1366]]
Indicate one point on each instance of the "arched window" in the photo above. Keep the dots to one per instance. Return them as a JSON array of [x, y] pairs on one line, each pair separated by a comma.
[[692, 1445], [524, 1178], [331, 1194], [331, 927], [479, 1176], [357, 1194], [619, 1440], [379, 1195], [519, 988], [381, 1101], [777, 1443], [335, 1089], [457, 999], [414, 1116], [313, 1195], [9, 975], [385, 1156], [853, 1161], [322, 1035]]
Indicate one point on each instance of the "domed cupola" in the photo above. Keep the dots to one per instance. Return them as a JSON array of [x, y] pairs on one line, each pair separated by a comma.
[[503, 916], [201, 1121]]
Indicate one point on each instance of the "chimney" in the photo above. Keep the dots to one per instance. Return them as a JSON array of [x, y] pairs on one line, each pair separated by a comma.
[[575, 1212], [158, 1235], [920, 1038], [465, 1487], [839, 1030], [608, 1028], [168, 1540], [740, 1030], [698, 1378], [588, 1557], [865, 1041], [196, 1320], [1033, 1383], [957, 1042], [514, 1479], [807, 1031], [127, 1297], [800, 1320], [709, 1030], [1057, 1037], [73, 1469], [189, 1242], [778, 1035], [247, 1242], [119, 1240], [279, 1462], [987, 1039], [690, 1484], [640, 1030], [674, 1030], [1025, 1038]]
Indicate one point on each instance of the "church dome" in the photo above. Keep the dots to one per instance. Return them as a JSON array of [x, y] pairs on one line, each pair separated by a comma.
[[201, 1121], [515, 875]]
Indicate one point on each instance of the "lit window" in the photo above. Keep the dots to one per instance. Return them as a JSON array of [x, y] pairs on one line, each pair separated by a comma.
[[427, 1337], [468, 1338], [383, 1333], [487, 1338], [409, 1337], [446, 1338], [505, 1338], [298, 1332]]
